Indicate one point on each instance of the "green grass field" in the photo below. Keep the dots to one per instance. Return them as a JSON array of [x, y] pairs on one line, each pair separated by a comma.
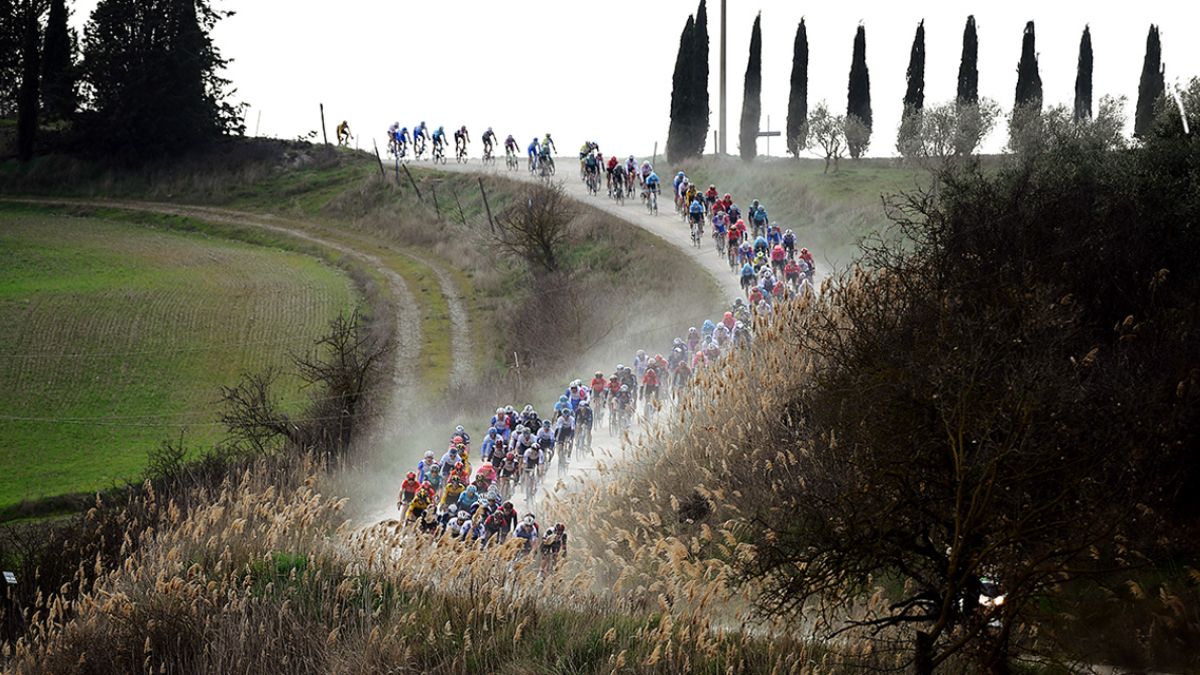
[[116, 336], [829, 212]]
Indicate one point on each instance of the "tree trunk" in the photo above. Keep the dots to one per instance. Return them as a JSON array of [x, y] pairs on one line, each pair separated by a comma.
[[923, 656], [27, 102]]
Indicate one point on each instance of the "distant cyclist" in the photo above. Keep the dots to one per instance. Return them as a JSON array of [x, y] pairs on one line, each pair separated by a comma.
[[461, 139], [534, 149], [439, 139], [343, 133], [489, 142]]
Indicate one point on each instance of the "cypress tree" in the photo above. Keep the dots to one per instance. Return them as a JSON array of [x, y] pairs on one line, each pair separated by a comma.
[[858, 99], [797, 119], [698, 68], [1151, 86], [752, 95], [914, 95], [11, 32], [968, 68], [27, 98], [1083, 78], [1029, 81], [58, 64], [677, 135]]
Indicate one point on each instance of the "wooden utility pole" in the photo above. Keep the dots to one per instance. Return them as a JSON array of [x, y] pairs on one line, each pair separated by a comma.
[[324, 134], [721, 139], [486, 206]]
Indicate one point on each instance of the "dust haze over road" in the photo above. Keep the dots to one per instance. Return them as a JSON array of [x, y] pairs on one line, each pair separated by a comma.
[[431, 431]]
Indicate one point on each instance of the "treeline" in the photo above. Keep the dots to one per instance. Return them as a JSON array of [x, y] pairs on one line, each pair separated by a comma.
[[142, 81], [952, 129]]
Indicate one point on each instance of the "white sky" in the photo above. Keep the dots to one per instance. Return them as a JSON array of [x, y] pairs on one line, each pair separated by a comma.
[[602, 70]]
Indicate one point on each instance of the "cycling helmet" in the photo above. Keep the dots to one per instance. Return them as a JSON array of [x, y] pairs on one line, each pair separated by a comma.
[[499, 411], [422, 122], [491, 430], [458, 465], [679, 341], [585, 404], [641, 352], [728, 197], [529, 519], [679, 175], [599, 373], [489, 128], [428, 454], [441, 128], [545, 423], [788, 232], [508, 455], [508, 409], [729, 315], [624, 387], [459, 429], [412, 475], [464, 128], [562, 399], [712, 187], [620, 367], [632, 158], [454, 451], [436, 468], [691, 330], [457, 440], [803, 251], [528, 408], [463, 515]]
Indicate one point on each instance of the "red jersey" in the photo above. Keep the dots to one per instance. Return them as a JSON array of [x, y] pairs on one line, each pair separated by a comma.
[[410, 487], [711, 194], [650, 379], [612, 163], [599, 384]]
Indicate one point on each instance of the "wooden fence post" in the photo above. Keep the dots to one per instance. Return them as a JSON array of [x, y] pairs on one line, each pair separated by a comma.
[[324, 134], [486, 206], [412, 180]]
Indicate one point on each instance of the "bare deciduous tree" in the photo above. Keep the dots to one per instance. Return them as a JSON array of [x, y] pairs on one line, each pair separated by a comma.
[[534, 228]]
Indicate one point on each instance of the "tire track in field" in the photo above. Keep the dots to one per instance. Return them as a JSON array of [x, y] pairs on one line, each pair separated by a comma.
[[405, 315], [462, 354]]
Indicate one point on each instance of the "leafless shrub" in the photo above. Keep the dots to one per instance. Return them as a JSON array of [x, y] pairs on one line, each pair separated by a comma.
[[534, 228]]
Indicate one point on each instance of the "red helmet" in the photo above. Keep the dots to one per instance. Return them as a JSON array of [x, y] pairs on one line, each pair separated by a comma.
[[803, 250], [458, 465], [508, 456], [728, 197], [458, 439], [412, 475]]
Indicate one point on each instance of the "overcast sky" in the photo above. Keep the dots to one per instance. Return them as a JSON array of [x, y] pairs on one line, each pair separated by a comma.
[[602, 70]]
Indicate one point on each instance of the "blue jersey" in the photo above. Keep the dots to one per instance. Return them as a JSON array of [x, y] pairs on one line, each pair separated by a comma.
[[747, 270], [696, 206], [652, 181], [420, 132], [534, 147], [439, 136]]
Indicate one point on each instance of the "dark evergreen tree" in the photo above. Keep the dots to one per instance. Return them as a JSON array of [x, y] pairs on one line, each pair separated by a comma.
[[58, 64], [752, 95], [11, 31], [1151, 87], [858, 99], [914, 95], [27, 99], [698, 68], [1029, 80], [1083, 78], [797, 119], [677, 134], [968, 68], [154, 76]]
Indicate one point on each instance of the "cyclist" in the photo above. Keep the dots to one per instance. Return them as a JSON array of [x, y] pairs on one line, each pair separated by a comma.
[[401, 141], [693, 339], [439, 139], [640, 362], [584, 419], [682, 375], [420, 502], [533, 151], [461, 139], [807, 258], [548, 144], [774, 234], [748, 277], [425, 465], [608, 169], [622, 401], [554, 544], [778, 258], [619, 178], [651, 183], [710, 196], [696, 212], [650, 384], [343, 133], [408, 490], [789, 243], [631, 167], [510, 145], [420, 132], [591, 169], [489, 141], [733, 239], [544, 156], [758, 217], [645, 171]]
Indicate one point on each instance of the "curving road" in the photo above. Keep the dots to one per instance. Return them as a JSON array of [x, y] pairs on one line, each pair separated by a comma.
[[666, 225]]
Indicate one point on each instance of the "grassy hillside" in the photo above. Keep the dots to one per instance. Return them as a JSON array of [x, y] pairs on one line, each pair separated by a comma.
[[830, 212], [117, 336]]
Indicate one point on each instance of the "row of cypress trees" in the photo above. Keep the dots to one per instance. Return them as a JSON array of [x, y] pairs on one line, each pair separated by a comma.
[[689, 121], [143, 81]]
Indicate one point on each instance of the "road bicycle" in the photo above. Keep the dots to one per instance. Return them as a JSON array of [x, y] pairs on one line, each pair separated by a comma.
[[439, 153], [652, 202], [593, 183], [697, 232], [418, 147], [460, 154], [510, 160], [618, 191], [546, 166]]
